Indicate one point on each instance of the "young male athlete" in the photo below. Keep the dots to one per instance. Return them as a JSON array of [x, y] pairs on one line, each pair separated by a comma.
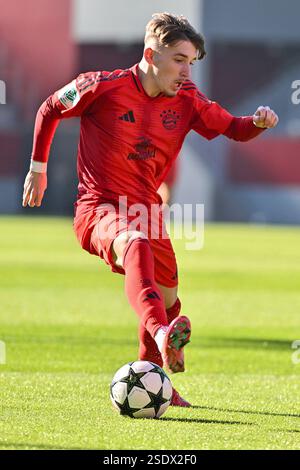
[[133, 124]]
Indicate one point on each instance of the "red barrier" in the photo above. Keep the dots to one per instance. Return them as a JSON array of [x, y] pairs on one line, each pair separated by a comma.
[[273, 161]]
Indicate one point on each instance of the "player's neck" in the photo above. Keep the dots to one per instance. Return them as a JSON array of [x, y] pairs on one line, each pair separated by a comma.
[[147, 80]]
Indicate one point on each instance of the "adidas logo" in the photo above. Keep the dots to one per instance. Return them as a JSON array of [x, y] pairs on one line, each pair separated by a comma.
[[152, 295], [129, 117]]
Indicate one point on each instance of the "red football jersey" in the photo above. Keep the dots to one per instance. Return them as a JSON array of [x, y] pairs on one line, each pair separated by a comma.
[[128, 140]]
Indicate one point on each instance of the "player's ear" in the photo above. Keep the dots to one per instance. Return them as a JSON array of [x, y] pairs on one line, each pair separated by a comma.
[[148, 55]]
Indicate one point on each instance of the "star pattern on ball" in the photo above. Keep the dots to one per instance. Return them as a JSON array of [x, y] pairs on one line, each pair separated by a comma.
[[133, 379], [135, 392], [156, 400], [160, 372], [125, 409]]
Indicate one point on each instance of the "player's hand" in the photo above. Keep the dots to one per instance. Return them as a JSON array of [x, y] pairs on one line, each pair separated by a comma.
[[34, 187], [265, 117]]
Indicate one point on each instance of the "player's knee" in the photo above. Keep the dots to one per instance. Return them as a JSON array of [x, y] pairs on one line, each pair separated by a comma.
[[134, 234], [122, 241]]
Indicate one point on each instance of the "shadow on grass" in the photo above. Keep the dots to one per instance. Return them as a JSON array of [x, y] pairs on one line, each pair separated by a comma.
[[247, 343], [206, 421], [264, 413], [201, 342], [75, 340], [215, 421]]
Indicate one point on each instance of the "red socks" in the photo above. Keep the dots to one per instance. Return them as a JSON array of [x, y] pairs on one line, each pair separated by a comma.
[[148, 350], [140, 286], [174, 311]]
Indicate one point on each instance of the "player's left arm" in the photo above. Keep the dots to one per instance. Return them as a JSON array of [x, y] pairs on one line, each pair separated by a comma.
[[248, 127], [265, 118], [210, 120]]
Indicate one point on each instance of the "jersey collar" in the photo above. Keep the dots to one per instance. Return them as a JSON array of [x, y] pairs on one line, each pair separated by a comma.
[[135, 76]]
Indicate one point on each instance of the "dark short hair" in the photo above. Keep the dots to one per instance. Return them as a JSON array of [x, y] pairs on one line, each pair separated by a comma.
[[168, 29]]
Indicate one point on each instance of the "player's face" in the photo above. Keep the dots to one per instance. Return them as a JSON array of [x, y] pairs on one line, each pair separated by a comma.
[[172, 66]]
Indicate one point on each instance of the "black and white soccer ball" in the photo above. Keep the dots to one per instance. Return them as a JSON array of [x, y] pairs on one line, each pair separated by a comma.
[[141, 389]]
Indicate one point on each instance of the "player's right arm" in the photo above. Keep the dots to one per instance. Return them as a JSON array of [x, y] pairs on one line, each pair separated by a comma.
[[70, 101], [35, 186]]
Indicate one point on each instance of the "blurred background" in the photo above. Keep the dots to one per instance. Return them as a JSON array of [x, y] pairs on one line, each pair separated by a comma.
[[253, 59]]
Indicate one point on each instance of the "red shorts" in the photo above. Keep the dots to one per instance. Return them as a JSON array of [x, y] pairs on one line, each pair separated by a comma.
[[108, 222]]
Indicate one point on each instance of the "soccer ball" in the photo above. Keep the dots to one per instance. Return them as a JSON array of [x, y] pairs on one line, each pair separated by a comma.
[[141, 389]]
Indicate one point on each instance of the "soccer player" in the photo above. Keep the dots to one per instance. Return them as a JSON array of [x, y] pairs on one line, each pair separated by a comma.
[[133, 124]]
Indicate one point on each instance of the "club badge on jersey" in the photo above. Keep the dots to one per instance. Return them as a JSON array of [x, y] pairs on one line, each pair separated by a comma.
[[69, 95]]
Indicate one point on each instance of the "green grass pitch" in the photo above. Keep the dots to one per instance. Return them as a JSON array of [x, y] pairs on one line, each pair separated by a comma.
[[67, 328]]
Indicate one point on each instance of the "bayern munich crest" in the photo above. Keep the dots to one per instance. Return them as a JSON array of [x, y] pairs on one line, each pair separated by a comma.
[[169, 119]]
